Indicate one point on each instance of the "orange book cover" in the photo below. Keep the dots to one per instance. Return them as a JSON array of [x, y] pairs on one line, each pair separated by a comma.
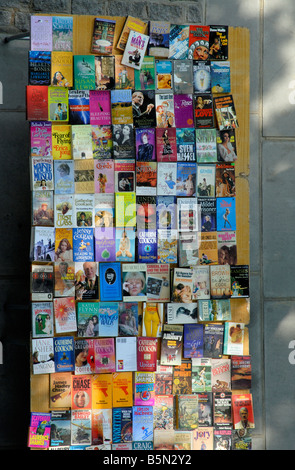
[[131, 24], [81, 392], [102, 397], [122, 389], [60, 390]]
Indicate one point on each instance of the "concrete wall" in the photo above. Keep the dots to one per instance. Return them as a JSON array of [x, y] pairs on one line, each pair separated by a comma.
[[272, 327]]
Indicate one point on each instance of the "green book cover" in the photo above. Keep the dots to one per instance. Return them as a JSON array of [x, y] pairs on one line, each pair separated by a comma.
[[84, 72]]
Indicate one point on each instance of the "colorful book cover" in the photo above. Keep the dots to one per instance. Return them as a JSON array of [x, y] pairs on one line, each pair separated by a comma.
[[87, 319], [84, 210], [124, 76], [125, 244], [184, 110], [165, 114], [213, 340], [60, 384], [203, 438], [226, 146], [208, 214], [208, 252], [104, 72], [182, 378], [42, 174], [40, 139], [103, 36], [79, 107], [188, 412], [42, 319], [159, 38], [125, 209], [166, 178], [37, 103], [100, 107], [206, 180], [186, 145], [134, 282], [202, 76], [126, 354], [143, 108], [220, 77], [205, 400], [42, 208], [104, 176], [177, 313], [81, 141], [39, 66], [188, 214], [121, 102], [102, 383], [146, 178], [122, 389], [206, 145], [226, 213], [43, 356], [124, 175], [167, 246], [131, 23], [166, 144], [201, 375], [84, 72], [193, 340], [171, 345], [147, 246], [188, 254], [221, 375], [239, 281], [145, 144], [41, 33], [123, 141], [83, 244], [65, 314], [158, 283], [182, 285], [84, 175], [84, 357], [142, 423], [110, 282], [61, 142], [39, 430], [164, 74], [80, 429], [42, 244], [147, 350], [225, 112], [178, 41], [63, 245], [104, 205], [199, 42], [144, 388], [63, 210], [122, 425], [243, 416], [201, 282], [105, 243], [135, 49], [64, 354], [220, 281], [101, 429], [241, 372], [58, 104], [108, 319], [153, 319], [102, 143], [62, 33], [186, 181], [227, 247], [214, 310], [60, 432], [104, 354], [166, 212], [183, 76], [203, 110], [225, 180], [128, 318], [144, 79], [164, 412], [218, 42], [62, 68], [234, 334]]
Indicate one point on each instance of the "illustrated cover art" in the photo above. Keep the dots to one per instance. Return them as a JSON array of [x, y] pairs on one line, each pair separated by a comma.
[[171, 345], [63, 245], [58, 104], [218, 42], [188, 253], [65, 314], [214, 310], [183, 76], [166, 178], [134, 282], [42, 208], [166, 212], [62, 68], [222, 410], [220, 281], [41, 33], [226, 146], [102, 142], [166, 144], [221, 375], [135, 49], [184, 110], [124, 76], [188, 412], [103, 36], [40, 139], [203, 438], [146, 178], [241, 372], [164, 74], [201, 282], [125, 244], [220, 77], [158, 283], [105, 243], [165, 114], [186, 179], [84, 357], [39, 66], [128, 318], [42, 319], [143, 108], [177, 313], [147, 349], [64, 177], [225, 112], [102, 393], [182, 378], [39, 430], [164, 411], [144, 388], [122, 389], [206, 180], [81, 428], [60, 390], [60, 428], [104, 177], [199, 42], [125, 209], [153, 319], [243, 416], [79, 111], [202, 76], [225, 180], [64, 353], [122, 424], [146, 212], [201, 375], [208, 253], [110, 281], [203, 108], [144, 79], [131, 23], [193, 341], [146, 246], [63, 210], [226, 213], [239, 281], [108, 319], [101, 428], [61, 142], [145, 141], [42, 243], [121, 102], [84, 175], [178, 41], [84, 210], [87, 319], [104, 351], [205, 408], [104, 205], [142, 422], [167, 246], [213, 340], [104, 72], [62, 33], [42, 283], [37, 103], [182, 285], [81, 142], [159, 39], [206, 145], [84, 72], [43, 356], [186, 144], [83, 244]]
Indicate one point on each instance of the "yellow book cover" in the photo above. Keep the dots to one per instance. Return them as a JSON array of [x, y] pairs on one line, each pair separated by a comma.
[[131, 24], [124, 76], [62, 68], [60, 390], [61, 142], [58, 104], [84, 176], [125, 209], [102, 397], [122, 389]]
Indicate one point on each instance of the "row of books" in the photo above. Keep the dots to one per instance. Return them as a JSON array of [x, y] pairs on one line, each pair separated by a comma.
[[165, 39]]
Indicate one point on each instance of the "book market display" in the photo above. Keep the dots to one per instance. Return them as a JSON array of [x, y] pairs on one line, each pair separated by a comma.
[[139, 241]]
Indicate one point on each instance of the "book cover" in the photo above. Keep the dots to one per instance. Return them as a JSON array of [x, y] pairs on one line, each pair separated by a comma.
[[60, 384], [102, 429], [58, 104], [207, 206], [225, 180], [188, 214], [42, 319], [121, 102], [188, 412], [201, 375], [206, 145], [128, 318], [186, 144], [186, 182], [183, 76], [142, 423], [167, 246], [220, 281], [131, 23], [203, 110], [164, 74], [239, 281], [80, 428], [214, 310], [110, 281], [123, 141], [134, 282], [43, 356], [122, 425], [124, 76], [188, 254], [207, 243], [202, 76], [39, 430], [147, 246], [205, 400], [81, 141], [83, 244], [104, 72], [104, 353], [221, 375], [104, 209], [164, 412], [182, 285], [146, 178], [83, 210], [177, 313], [157, 283], [166, 212], [108, 319], [84, 175], [144, 388], [203, 438], [62, 33], [144, 79], [166, 178], [159, 38], [225, 112], [241, 372], [64, 210], [193, 340], [103, 36], [126, 354], [125, 209], [222, 439], [201, 282], [87, 319], [165, 114], [145, 142], [184, 110], [199, 42], [60, 428], [62, 69], [42, 208], [166, 144], [226, 145], [37, 103], [234, 336], [42, 244], [143, 108], [42, 283], [125, 244], [41, 33], [79, 107], [84, 72], [183, 440], [243, 416], [218, 42], [171, 345], [61, 142], [104, 176], [147, 349], [40, 139], [122, 389], [100, 107], [182, 378], [64, 314], [102, 142], [163, 380], [226, 213], [213, 340], [152, 319], [135, 49], [64, 353], [39, 66], [178, 41], [102, 393], [63, 245], [105, 243], [84, 359], [220, 77], [206, 180]]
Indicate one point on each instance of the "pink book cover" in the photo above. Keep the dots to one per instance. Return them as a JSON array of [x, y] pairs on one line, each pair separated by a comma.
[[41, 140], [39, 430], [166, 144], [184, 110], [41, 33], [65, 314], [104, 176], [147, 354], [100, 107], [104, 355]]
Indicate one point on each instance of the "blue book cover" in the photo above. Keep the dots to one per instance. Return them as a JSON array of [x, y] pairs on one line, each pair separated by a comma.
[[166, 211], [108, 319], [79, 107], [220, 77], [64, 353], [147, 246], [186, 179], [64, 177], [110, 282], [186, 144], [122, 425], [83, 244], [193, 340], [142, 423], [226, 213], [39, 67]]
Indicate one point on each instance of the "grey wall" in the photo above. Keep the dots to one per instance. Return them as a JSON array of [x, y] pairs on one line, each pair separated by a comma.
[[272, 200]]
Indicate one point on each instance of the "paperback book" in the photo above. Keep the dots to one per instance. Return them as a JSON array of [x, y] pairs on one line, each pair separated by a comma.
[[103, 36], [199, 42], [159, 38], [42, 319], [64, 177], [42, 208], [166, 144], [184, 110], [164, 74], [186, 144], [87, 319], [61, 142], [58, 104], [213, 340], [123, 141], [144, 79], [178, 41], [41, 33], [64, 353], [65, 314], [105, 358], [84, 72], [171, 345], [84, 360], [43, 356], [39, 66], [183, 76], [102, 143], [135, 49], [79, 107], [40, 139], [202, 76], [62, 33], [62, 68], [104, 72], [105, 244]]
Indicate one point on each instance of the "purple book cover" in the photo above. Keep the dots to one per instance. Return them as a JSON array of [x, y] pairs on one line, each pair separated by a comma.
[[41, 33], [105, 243], [104, 176], [41, 140], [145, 145], [100, 107], [184, 110]]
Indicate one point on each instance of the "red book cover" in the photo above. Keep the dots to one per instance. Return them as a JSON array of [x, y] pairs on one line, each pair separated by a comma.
[[243, 417], [37, 103], [199, 42], [147, 349]]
